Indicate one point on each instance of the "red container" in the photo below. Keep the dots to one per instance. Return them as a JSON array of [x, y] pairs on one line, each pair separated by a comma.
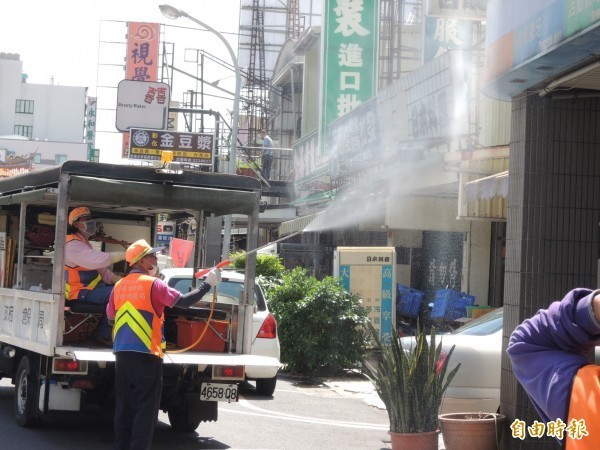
[[214, 340]]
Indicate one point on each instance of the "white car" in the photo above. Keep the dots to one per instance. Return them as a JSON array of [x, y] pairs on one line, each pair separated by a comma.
[[476, 386], [266, 340]]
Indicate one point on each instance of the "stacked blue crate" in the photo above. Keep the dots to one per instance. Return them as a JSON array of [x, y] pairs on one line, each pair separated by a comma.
[[408, 300], [451, 305]]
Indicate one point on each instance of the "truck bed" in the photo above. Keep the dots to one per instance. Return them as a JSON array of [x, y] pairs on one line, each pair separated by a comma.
[[201, 358]]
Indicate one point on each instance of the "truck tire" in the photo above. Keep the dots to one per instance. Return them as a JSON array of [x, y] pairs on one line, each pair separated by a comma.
[[266, 386], [26, 395], [183, 418]]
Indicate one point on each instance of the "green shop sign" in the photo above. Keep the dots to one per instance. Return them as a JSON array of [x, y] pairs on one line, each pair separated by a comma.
[[349, 56]]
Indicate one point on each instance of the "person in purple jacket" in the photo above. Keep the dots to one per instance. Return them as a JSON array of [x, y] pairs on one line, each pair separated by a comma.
[[549, 358]]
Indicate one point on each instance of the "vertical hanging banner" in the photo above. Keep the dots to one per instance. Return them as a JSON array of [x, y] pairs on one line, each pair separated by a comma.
[[141, 61], [142, 51], [90, 129], [350, 43], [369, 272]]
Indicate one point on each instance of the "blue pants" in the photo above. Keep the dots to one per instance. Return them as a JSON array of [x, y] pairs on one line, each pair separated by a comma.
[[99, 296]]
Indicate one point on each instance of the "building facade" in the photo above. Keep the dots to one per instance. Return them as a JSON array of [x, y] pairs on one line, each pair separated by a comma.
[[44, 124], [481, 168], [392, 169]]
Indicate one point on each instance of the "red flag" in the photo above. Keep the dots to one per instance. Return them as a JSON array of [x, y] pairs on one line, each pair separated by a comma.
[[181, 250]]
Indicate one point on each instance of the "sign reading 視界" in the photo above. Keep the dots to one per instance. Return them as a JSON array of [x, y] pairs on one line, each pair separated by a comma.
[[141, 60], [195, 148]]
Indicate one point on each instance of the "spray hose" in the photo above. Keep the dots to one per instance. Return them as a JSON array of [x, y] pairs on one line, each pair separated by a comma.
[[206, 327], [212, 306]]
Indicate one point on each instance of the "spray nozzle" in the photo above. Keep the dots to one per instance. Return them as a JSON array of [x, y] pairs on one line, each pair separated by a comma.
[[203, 272]]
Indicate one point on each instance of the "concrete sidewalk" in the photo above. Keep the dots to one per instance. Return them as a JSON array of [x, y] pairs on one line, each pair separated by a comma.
[[363, 389]]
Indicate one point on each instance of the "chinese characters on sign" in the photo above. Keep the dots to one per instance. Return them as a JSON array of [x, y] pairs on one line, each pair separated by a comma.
[[349, 59], [308, 161], [90, 129], [142, 51], [141, 60], [462, 9], [161, 94], [354, 138], [576, 429], [433, 93], [142, 104], [443, 34], [369, 273], [196, 148]]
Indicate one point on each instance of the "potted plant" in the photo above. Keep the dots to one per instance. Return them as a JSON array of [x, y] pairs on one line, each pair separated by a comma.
[[411, 381]]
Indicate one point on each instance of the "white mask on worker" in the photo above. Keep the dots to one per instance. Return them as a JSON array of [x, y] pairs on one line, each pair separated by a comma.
[[153, 270]]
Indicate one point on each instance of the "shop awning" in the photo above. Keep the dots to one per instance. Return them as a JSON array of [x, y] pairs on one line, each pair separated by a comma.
[[319, 197], [487, 188], [301, 223]]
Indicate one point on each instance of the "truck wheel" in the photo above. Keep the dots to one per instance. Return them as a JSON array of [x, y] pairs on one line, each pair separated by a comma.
[[266, 386], [183, 418], [26, 395]]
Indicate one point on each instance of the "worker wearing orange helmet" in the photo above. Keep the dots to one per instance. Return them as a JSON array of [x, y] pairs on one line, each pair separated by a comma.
[[137, 307], [87, 276]]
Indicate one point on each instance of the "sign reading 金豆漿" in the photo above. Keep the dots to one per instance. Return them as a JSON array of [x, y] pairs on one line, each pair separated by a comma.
[[370, 273], [196, 148], [349, 57]]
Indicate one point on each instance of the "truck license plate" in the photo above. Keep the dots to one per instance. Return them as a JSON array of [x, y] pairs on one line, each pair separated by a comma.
[[219, 392]]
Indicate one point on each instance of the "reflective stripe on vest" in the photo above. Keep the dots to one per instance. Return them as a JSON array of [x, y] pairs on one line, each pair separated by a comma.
[[584, 410], [78, 278], [137, 326]]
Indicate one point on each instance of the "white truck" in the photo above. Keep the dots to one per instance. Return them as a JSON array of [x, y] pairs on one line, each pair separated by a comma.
[[45, 344]]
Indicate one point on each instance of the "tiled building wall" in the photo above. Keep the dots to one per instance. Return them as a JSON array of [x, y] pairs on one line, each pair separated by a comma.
[[553, 221]]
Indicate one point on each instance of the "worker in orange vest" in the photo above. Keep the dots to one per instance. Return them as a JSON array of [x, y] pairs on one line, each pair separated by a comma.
[[136, 308], [87, 276]]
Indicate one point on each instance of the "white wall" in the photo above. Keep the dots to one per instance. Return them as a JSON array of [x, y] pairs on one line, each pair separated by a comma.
[[59, 111], [10, 89]]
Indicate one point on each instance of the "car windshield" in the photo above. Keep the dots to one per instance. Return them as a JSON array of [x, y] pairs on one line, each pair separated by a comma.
[[227, 291], [487, 324]]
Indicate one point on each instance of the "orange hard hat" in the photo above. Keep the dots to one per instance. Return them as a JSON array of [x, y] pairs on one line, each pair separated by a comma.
[[138, 250], [79, 213]]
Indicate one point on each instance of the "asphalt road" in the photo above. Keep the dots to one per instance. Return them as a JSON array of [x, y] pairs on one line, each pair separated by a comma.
[[299, 416]]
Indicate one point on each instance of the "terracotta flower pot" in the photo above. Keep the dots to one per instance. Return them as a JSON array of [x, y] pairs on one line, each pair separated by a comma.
[[475, 431], [415, 441]]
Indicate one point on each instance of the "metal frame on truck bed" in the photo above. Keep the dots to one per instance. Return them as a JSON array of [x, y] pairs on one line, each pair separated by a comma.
[[33, 322]]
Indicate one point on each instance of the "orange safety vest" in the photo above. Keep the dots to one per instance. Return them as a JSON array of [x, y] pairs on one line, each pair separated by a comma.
[[78, 278], [137, 326], [584, 410]]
